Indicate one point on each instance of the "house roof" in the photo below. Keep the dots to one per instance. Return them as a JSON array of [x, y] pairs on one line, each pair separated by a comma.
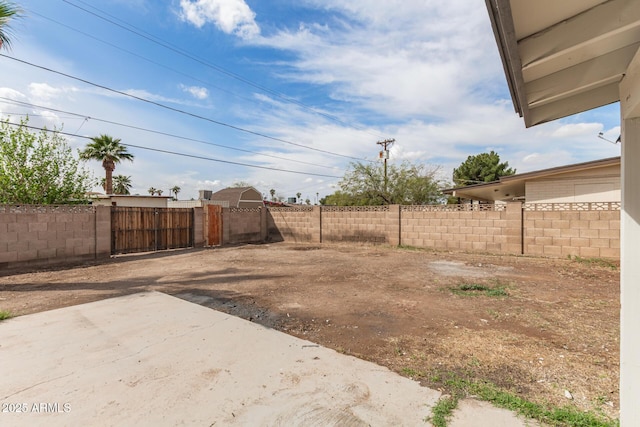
[[234, 195], [564, 57], [513, 186]]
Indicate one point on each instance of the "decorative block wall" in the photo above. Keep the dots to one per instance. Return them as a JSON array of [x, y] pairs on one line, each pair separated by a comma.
[[588, 230], [487, 228], [545, 229], [242, 225], [53, 234]]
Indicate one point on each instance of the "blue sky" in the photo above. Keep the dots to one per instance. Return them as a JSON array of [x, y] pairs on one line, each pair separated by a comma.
[[301, 86]]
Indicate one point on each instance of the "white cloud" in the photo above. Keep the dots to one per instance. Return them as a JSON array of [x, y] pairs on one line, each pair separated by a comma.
[[416, 58], [44, 91], [587, 130], [230, 16], [196, 91], [7, 92]]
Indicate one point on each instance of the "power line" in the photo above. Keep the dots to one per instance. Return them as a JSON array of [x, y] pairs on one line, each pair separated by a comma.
[[167, 45], [84, 116], [151, 61], [177, 110], [193, 156]]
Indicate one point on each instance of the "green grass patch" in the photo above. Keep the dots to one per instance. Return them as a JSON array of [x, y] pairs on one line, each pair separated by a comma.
[[5, 315], [460, 387], [442, 411], [474, 289], [596, 262], [412, 373]]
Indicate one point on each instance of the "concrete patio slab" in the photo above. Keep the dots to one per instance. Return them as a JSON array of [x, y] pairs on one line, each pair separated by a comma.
[[152, 359]]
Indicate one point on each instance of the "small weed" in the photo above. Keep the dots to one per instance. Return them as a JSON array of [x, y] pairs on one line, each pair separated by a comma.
[[412, 373], [598, 262], [408, 247], [494, 314], [496, 291], [474, 362], [4, 315], [442, 411]]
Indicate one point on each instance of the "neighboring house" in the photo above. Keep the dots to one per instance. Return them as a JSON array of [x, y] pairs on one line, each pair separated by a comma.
[[130, 201], [595, 181], [235, 197]]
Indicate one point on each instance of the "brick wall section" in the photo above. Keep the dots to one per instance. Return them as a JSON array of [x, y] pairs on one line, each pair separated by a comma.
[[53, 234], [241, 225], [369, 224], [588, 233], [295, 224], [468, 229]]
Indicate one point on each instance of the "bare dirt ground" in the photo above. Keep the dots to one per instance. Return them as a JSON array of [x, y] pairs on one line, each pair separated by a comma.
[[551, 334]]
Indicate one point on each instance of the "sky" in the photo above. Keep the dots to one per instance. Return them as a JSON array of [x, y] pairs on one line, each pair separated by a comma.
[[278, 94]]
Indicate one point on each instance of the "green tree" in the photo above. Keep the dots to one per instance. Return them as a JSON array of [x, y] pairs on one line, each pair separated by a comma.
[[121, 184], [407, 184], [8, 12], [152, 191], [109, 151], [175, 190], [484, 167], [39, 168]]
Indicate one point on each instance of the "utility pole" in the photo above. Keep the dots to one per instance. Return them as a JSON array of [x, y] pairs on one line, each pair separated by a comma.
[[384, 154]]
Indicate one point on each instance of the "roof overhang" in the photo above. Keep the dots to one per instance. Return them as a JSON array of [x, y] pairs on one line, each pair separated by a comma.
[[564, 57]]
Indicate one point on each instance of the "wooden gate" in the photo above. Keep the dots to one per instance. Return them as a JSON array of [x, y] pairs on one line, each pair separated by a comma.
[[150, 229], [214, 225]]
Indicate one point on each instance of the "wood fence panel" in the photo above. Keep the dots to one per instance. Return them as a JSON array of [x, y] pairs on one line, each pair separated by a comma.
[[150, 229], [214, 225]]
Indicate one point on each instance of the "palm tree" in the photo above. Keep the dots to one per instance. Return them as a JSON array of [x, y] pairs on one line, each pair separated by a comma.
[[152, 191], [175, 190], [298, 195], [273, 194], [108, 150], [122, 184], [8, 11]]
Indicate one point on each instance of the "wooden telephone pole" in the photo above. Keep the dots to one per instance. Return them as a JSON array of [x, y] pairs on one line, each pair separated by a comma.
[[384, 154]]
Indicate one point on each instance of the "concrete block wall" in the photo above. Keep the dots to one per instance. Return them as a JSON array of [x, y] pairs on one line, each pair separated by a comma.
[[588, 234], [242, 225], [492, 229], [199, 230], [556, 230], [296, 224], [369, 224], [53, 234]]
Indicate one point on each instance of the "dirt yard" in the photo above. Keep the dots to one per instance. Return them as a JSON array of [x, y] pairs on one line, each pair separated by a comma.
[[545, 329]]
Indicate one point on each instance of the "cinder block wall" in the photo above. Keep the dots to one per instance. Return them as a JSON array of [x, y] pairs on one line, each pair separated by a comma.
[[465, 229], [356, 224], [53, 234], [557, 230], [296, 224], [199, 230], [241, 225], [589, 234]]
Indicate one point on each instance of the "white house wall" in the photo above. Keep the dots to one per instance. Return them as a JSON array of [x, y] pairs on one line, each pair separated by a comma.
[[596, 185]]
